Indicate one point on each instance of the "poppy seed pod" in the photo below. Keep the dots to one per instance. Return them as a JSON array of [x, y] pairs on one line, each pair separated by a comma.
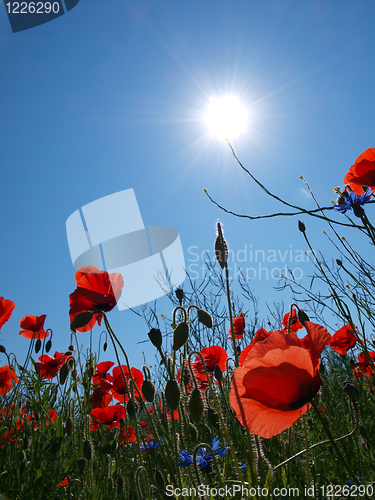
[[301, 226], [148, 390], [180, 335], [155, 336], [204, 318], [172, 394], [196, 405], [221, 247]]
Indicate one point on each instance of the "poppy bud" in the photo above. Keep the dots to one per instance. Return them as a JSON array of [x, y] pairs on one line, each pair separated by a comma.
[[148, 390], [213, 418], [193, 432], [351, 390], [81, 464], [87, 450], [64, 372], [180, 336], [172, 394], [105, 346], [38, 345], [69, 426], [196, 405], [159, 480], [302, 317], [301, 226], [132, 408], [2, 349], [68, 353], [120, 485], [186, 375], [81, 319], [339, 262], [155, 336], [48, 345], [221, 247], [180, 295], [218, 373], [205, 318], [71, 348]]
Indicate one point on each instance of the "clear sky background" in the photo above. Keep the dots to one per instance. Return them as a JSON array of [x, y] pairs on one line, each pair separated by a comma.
[[112, 95]]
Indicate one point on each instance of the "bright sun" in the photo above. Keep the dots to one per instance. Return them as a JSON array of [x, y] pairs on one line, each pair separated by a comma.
[[226, 117]]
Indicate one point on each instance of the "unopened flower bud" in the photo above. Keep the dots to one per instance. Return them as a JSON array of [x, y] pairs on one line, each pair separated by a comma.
[[213, 418], [196, 405], [155, 336], [2, 349], [205, 318], [180, 295], [180, 335], [221, 247], [302, 317], [218, 373], [172, 394], [148, 390], [351, 390], [301, 226]]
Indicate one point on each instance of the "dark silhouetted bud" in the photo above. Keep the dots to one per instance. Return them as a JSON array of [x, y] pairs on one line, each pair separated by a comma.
[[132, 408], [71, 348], [64, 372], [87, 450], [180, 295], [180, 335], [351, 390], [155, 336], [148, 390], [186, 375], [69, 426], [81, 463], [213, 418], [38, 345], [301, 226], [302, 317], [196, 405], [358, 211], [339, 262], [221, 247], [82, 319], [218, 373], [105, 346], [68, 353], [205, 318], [2, 349], [48, 345], [172, 394]]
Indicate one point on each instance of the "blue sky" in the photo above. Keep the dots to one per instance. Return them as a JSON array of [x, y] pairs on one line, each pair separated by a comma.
[[111, 96]]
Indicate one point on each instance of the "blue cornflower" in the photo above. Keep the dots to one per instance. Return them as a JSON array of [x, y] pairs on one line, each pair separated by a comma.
[[352, 201], [204, 457], [151, 445]]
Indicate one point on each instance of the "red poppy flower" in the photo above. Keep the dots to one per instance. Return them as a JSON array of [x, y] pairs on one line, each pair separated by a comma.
[[277, 380], [64, 483], [108, 416], [33, 327], [50, 367], [362, 173], [7, 379], [118, 389], [343, 340], [127, 435], [295, 325], [238, 327], [363, 366], [6, 309], [97, 292], [212, 356], [260, 335]]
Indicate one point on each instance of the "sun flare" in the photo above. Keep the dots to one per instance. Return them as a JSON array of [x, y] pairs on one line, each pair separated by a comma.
[[226, 117]]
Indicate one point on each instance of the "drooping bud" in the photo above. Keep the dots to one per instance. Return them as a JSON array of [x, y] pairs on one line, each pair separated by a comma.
[[301, 226], [64, 372], [180, 335], [155, 336], [196, 405], [2, 349], [339, 262], [38, 345], [172, 394], [48, 345], [302, 316], [218, 373], [205, 318], [105, 346], [148, 390], [180, 295], [82, 319], [221, 247]]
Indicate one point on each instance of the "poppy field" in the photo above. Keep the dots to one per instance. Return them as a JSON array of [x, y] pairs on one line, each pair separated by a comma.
[[235, 407]]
